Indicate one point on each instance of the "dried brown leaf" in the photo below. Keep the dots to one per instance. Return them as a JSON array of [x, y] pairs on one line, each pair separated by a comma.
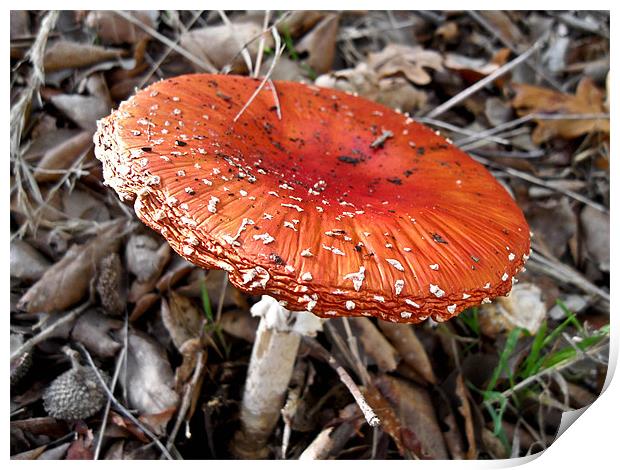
[[83, 110], [181, 318], [595, 228], [146, 257], [220, 44], [320, 43], [93, 329], [240, 324], [149, 381], [27, 264], [114, 29], [588, 99], [61, 157], [411, 350], [374, 343], [395, 92], [410, 61], [413, 406], [71, 55], [67, 281]]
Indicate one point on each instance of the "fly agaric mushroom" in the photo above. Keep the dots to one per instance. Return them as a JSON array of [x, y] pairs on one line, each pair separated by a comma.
[[327, 202]]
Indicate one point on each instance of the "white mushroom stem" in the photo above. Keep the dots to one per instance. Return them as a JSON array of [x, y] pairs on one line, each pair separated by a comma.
[[269, 373]]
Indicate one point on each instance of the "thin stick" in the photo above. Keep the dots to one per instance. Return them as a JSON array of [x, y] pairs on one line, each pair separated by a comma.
[[49, 331], [161, 38], [279, 50], [485, 24], [106, 413], [485, 81], [163, 57], [371, 418], [541, 182], [120, 408], [187, 397]]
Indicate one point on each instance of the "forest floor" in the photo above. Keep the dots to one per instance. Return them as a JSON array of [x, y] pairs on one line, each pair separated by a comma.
[[524, 93]]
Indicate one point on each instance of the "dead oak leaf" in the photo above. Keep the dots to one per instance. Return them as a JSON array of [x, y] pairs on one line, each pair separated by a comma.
[[587, 100], [410, 61]]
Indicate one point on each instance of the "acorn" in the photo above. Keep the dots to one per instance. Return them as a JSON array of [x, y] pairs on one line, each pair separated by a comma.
[[76, 394]]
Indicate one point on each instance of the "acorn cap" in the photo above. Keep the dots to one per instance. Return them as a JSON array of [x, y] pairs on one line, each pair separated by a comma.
[[341, 207], [76, 394]]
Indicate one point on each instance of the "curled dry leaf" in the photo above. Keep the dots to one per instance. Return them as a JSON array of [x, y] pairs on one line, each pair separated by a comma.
[[181, 318], [395, 92], [58, 159], [20, 24], [83, 110], [149, 382], [553, 223], [411, 350], [595, 229], [410, 61], [588, 99], [320, 43], [412, 404], [146, 257], [67, 281], [374, 343], [93, 329], [219, 45], [524, 308], [26, 263], [299, 21], [240, 324], [80, 204], [114, 29], [70, 55]]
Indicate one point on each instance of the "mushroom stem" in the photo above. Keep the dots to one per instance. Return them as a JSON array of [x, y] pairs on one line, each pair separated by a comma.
[[269, 373]]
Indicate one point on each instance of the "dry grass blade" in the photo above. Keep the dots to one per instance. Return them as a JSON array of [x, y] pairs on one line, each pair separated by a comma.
[[261, 45], [279, 49]]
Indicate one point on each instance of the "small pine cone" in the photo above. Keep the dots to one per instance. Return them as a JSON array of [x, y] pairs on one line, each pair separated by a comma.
[[110, 285], [76, 394]]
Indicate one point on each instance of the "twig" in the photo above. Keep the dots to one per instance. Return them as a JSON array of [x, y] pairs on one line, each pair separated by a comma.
[[460, 130], [565, 274], [49, 331], [187, 397], [120, 408], [582, 25], [104, 420], [485, 24], [163, 57], [371, 418], [485, 81], [279, 50], [161, 38], [540, 182]]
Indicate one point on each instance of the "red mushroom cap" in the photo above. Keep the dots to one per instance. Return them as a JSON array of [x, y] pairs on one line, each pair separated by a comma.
[[341, 207]]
